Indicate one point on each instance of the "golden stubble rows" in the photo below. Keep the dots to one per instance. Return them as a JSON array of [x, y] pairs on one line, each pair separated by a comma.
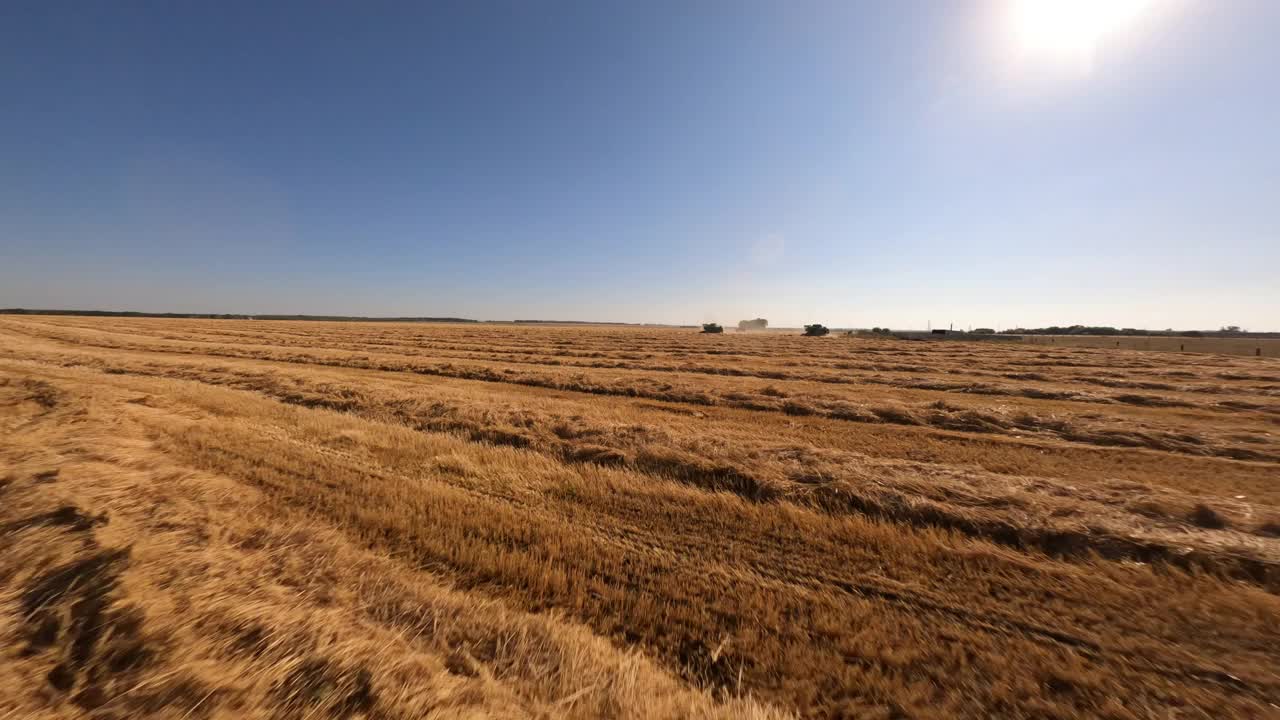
[[627, 538]]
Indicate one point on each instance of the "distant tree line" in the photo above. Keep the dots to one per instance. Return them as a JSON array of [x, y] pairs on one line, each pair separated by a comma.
[[1225, 331]]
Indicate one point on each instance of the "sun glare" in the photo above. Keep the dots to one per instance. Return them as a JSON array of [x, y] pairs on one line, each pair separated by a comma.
[[1069, 32]]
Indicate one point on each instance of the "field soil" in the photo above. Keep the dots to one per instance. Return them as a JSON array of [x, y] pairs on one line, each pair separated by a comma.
[[226, 519]]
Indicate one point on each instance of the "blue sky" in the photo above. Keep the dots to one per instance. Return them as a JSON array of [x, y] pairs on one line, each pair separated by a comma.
[[852, 163]]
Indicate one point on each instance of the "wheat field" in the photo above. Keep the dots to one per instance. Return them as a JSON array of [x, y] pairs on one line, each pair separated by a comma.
[[226, 519], [1249, 346]]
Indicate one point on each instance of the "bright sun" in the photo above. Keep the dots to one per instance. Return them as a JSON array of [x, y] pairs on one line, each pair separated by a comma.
[[1069, 32]]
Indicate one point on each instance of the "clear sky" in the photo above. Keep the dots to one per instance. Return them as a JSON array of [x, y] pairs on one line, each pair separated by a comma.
[[986, 163]]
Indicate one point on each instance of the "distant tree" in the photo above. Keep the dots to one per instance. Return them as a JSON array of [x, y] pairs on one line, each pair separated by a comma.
[[712, 328], [815, 330], [1231, 328], [984, 331]]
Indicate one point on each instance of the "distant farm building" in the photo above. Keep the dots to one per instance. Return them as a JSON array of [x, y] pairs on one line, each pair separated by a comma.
[[757, 324]]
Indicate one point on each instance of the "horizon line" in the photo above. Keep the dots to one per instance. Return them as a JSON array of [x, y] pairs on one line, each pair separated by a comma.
[[520, 321]]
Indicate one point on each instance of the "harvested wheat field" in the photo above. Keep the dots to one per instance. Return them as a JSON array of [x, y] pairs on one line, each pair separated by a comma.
[[225, 519]]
